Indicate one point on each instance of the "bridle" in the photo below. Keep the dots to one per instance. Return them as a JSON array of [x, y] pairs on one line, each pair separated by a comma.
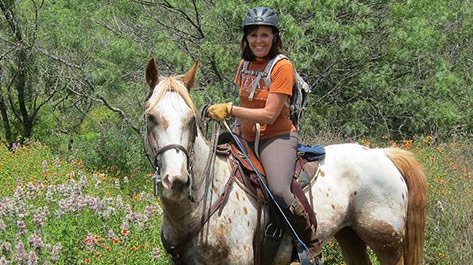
[[155, 160]]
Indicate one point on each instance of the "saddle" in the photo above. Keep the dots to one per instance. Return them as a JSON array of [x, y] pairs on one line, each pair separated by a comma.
[[305, 172]]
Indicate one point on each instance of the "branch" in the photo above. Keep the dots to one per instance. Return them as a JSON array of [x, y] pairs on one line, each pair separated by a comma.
[[60, 60], [120, 112], [168, 6]]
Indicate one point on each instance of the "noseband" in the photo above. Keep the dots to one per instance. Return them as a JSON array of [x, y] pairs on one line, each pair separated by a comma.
[[155, 161]]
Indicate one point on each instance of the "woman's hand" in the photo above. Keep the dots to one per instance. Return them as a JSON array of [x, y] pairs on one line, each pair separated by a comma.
[[220, 111]]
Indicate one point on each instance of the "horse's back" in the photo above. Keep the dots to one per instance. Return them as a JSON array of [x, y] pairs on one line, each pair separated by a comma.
[[361, 188]]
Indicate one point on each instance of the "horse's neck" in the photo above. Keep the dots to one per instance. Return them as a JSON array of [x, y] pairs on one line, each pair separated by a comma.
[[180, 217]]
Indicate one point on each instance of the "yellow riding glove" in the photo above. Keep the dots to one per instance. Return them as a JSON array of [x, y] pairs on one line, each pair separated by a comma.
[[219, 111]]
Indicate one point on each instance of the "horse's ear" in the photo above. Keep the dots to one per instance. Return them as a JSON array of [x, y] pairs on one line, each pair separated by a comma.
[[189, 77], [151, 74]]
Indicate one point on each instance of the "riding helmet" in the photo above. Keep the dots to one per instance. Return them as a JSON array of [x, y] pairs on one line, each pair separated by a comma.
[[261, 16]]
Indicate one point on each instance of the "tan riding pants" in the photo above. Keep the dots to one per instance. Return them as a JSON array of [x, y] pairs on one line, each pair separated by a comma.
[[278, 156]]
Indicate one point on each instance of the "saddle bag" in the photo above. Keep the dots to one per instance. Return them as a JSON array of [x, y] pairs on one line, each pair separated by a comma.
[[311, 152]]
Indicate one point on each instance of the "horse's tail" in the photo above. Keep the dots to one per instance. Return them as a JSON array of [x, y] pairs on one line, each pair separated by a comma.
[[414, 176]]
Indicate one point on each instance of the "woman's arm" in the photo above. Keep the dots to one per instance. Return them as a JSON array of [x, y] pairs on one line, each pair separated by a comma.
[[266, 115]]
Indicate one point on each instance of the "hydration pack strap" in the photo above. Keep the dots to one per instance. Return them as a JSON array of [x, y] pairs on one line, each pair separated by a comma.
[[253, 87]]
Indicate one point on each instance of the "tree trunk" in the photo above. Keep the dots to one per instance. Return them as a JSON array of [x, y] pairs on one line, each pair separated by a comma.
[[21, 87], [4, 113]]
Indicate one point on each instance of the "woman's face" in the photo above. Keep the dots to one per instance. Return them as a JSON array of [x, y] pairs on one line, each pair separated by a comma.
[[260, 41]]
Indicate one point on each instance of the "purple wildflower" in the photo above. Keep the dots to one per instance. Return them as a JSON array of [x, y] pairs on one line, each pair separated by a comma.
[[20, 252], [6, 247], [156, 253], [55, 252], [119, 202], [50, 193], [32, 258], [89, 240], [30, 191], [83, 180], [3, 261], [35, 240], [45, 166], [111, 234], [21, 227], [15, 147], [38, 220], [125, 225]]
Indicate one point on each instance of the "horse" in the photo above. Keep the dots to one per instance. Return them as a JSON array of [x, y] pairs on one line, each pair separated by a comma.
[[362, 197]]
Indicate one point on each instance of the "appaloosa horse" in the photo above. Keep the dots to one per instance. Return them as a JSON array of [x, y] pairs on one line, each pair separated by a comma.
[[363, 196]]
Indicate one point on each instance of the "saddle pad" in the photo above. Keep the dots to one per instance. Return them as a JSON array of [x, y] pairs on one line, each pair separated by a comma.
[[241, 157]]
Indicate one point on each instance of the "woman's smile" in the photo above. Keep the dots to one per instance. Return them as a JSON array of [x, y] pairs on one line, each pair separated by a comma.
[[261, 41]]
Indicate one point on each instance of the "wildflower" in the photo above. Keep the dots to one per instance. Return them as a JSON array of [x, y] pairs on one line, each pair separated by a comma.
[[133, 248], [156, 253], [87, 261], [117, 184], [15, 147], [20, 252], [55, 252], [57, 162], [45, 166], [119, 202], [125, 180], [331, 244], [384, 136], [38, 220], [35, 240], [108, 248], [2, 225], [143, 246], [111, 234], [440, 181], [125, 225], [96, 238], [441, 255], [115, 240], [124, 232], [32, 258], [89, 240], [83, 180], [50, 193], [21, 227], [6, 248], [3, 261]]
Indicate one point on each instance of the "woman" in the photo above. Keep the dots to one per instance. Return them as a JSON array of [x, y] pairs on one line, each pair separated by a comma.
[[268, 107]]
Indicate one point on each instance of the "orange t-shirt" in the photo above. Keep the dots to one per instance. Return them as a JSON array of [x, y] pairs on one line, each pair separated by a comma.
[[282, 81]]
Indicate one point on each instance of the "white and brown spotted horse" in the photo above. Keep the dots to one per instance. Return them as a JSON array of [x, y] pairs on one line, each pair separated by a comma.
[[363, 197]]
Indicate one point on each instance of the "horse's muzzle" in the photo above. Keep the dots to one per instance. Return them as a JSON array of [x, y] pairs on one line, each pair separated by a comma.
[[176, 183]]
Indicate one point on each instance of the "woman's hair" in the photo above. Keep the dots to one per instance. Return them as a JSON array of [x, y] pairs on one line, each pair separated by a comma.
[[247, 54]]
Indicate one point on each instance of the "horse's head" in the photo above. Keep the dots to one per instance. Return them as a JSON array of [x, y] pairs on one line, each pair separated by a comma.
[[170, 129]]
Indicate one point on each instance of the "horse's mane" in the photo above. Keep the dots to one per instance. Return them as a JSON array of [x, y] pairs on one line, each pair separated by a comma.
[[172, 84]]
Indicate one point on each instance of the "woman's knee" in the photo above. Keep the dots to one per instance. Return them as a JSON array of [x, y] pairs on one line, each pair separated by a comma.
[[283, 196]]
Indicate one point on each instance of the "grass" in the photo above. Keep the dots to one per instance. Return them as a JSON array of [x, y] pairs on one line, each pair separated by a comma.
[[55, 211]]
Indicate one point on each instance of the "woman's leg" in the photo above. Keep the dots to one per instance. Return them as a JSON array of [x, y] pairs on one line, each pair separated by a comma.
[[278, 156]]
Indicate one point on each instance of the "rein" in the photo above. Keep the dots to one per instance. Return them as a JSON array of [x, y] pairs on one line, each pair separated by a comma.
[[176, 249]]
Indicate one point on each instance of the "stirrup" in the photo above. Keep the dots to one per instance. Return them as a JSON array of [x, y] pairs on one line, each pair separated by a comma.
[[305, 257]]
